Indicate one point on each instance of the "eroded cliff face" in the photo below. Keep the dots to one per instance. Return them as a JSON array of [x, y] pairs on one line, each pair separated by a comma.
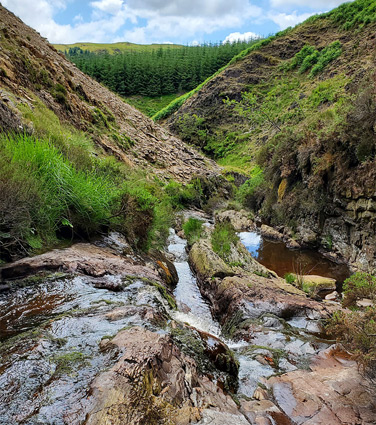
[[32, 70], [351, 227], [313, 136]]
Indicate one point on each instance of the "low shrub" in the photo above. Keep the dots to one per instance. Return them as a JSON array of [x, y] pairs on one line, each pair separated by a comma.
[[359, 285], [327, 55], [357, 333], [310, 58]]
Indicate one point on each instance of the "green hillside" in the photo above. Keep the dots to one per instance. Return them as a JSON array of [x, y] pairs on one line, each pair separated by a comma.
[[297, 113], [155, 73]]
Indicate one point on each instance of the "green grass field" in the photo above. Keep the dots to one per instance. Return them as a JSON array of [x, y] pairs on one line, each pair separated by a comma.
[[116, 47]]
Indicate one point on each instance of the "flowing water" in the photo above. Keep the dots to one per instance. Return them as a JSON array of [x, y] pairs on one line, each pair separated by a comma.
[[192, 308], [51, 329]]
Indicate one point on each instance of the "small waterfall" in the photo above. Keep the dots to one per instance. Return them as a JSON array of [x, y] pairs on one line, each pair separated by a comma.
[[193, 309]]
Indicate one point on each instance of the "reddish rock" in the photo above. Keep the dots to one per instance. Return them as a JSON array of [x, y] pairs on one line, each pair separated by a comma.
[[81, 258], [154, 380], [332, 392]]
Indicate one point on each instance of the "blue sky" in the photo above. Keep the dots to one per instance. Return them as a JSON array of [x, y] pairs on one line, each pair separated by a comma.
[[162, 21]]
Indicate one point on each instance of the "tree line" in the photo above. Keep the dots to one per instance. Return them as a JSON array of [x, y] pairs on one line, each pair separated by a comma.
[[157, 72]]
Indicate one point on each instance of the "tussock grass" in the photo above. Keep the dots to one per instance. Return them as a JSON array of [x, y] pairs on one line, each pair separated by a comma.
[[42, 193], [193, 230], [223, 238]]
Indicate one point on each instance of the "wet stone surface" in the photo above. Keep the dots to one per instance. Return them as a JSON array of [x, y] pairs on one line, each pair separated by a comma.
[[58, 347], [54, 353]]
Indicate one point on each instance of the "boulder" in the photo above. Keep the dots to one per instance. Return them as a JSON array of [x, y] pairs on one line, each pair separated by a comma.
[[240, 220], [270, 233], [364, 303], [333, 296], [154, 382], [307, 235], [207, 263], [314, 285]]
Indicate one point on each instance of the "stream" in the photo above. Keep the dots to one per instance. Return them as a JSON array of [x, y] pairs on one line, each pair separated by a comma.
[[51, 329], [287, 345]]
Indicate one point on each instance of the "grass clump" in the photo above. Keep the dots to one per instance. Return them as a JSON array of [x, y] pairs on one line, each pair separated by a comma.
[[223, 238], [183, 196], [310, 58], [42, 192], [290, 278], [193, 230]]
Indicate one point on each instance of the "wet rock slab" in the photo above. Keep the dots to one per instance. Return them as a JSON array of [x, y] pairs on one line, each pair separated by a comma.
[[81, 258]]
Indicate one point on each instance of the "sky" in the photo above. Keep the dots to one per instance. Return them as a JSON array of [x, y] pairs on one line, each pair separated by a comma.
[[189, 22]]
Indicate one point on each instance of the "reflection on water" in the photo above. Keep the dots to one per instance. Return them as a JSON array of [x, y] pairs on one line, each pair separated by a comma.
[[275, 256]]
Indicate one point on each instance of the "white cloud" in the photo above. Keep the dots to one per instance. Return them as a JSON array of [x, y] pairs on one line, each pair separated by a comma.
[[109, 6], [284, 20], [164, 18], [101, 29], [237, 36], [184, 8], [137, 35], [169, 18], [317, 4]]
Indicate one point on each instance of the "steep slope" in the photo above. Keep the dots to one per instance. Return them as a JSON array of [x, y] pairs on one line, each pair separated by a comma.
[[32, 69], [298, 115], [76, 161]]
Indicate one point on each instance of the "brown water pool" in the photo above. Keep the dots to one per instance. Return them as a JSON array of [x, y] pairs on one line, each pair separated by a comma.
[[275, 256]]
